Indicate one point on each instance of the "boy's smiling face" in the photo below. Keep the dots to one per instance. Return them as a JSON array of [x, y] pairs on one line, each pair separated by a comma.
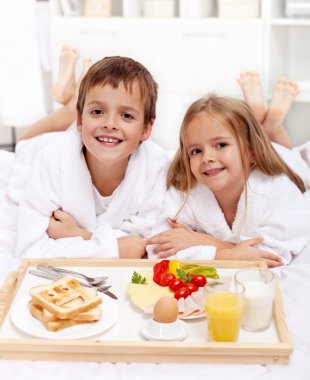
[[112, 124]]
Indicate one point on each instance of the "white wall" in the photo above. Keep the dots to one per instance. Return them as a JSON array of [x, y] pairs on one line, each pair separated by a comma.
[[21, 90], [172, 64]]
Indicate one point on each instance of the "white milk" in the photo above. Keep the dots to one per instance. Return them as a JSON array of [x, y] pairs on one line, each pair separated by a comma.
[[258, 305]]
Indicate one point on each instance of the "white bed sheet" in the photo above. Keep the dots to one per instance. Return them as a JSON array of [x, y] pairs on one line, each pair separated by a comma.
[[295, 286]]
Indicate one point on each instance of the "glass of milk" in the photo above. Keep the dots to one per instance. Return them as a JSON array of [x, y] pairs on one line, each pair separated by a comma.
[[259, 295]]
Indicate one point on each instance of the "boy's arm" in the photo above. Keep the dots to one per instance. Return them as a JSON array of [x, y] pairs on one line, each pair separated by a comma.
[[63, 225], [40, 201]]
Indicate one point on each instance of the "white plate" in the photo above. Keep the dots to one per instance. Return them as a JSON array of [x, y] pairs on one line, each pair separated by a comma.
[[149, 310], [24, 321], [152, 330], [195, 316]]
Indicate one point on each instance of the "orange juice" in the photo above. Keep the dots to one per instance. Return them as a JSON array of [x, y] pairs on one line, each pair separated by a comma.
[[224, 310]]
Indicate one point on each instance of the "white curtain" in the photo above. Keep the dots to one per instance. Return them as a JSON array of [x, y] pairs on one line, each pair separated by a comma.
[[21, 88]]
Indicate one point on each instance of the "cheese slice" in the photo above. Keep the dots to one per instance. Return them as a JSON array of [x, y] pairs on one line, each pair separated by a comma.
[[146, 295]]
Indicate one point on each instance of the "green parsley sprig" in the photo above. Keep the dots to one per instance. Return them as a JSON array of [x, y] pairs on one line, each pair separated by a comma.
[[185, 277], [138, 279]]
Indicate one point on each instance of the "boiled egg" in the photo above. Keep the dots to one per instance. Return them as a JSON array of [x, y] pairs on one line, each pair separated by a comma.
[[166, 310]]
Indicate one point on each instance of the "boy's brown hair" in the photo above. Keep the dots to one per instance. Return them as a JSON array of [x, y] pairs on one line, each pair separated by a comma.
[[115, 70]]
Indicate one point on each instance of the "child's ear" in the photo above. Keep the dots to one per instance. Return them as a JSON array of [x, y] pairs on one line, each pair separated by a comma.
[[78, 123], [147, 130], [251, 157]]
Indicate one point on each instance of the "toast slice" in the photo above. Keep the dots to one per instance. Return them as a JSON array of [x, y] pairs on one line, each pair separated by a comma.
[[56, 325], [87, 316], [57, 298]]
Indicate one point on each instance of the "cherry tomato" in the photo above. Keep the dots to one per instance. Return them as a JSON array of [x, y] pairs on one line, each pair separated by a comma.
[[181, 293], [166, 278], [199, 280], [176, 284], [191, 287]]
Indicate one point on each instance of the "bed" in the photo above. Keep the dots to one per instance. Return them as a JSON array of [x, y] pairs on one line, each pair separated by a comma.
[[295, 287]]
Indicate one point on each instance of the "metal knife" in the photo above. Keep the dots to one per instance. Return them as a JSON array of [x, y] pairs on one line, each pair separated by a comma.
[[56, 276]]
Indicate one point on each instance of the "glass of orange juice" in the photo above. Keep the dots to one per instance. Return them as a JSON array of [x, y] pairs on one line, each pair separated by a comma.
[[224, 308]]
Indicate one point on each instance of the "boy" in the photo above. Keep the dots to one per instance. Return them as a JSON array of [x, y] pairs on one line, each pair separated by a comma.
[[104, 184]]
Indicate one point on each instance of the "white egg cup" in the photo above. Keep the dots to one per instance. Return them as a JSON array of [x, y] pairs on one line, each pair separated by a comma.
[[153, 330]]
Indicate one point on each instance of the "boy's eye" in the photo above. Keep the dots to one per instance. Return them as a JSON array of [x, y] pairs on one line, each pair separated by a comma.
[[195, 151], [96, 112], [127, 116], [221, 145]]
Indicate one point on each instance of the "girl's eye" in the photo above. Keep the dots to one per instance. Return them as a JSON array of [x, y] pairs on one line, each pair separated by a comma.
[[221, 145], [195, 151], [127, 116], [96, 112]]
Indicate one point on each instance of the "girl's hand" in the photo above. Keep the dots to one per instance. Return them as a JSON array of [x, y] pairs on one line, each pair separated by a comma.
[[246, 251], [63, 225], [131, 247], [204, 239], [180, 237]]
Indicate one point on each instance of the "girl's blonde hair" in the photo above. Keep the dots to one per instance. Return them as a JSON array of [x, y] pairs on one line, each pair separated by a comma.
[[237, 116]]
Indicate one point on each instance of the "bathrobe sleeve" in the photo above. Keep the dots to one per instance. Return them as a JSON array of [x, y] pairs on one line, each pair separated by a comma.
[[172, 208], [42, 197], [298, 159], [283, 219]]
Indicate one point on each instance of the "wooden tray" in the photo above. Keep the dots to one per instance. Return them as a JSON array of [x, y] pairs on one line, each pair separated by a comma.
[[123, 342]]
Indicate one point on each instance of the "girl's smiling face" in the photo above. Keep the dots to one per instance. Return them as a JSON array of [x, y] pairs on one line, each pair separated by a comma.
[[214, 155]]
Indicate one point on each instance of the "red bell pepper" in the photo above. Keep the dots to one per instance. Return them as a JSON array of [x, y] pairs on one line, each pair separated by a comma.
[[159, 269]]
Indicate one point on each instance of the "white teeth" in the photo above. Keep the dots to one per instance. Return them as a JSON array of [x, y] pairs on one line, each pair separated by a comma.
[[211, 171], [108, 140]]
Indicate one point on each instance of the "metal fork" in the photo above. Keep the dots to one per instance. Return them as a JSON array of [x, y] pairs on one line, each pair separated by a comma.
[[94, 281], [54, 276]]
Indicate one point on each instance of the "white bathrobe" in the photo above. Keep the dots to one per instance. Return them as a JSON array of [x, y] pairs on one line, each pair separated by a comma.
[[59, 178], [8, 213], [7, 208], [276, 210]]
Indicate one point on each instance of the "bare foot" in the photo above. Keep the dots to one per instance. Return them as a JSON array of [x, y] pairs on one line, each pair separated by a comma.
[[64, 88], [281, 101], [87, 63], [253, 95]]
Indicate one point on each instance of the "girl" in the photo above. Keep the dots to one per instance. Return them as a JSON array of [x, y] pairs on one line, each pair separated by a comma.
[[228, 181]]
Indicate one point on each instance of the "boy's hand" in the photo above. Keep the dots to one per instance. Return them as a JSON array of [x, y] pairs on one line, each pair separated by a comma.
[[63, 225], [180, 237], [246, 251], [131, 247]]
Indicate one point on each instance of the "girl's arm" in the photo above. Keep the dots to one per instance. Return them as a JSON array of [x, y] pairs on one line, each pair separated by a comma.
[[246, 250], [180, 237], [280, 214]]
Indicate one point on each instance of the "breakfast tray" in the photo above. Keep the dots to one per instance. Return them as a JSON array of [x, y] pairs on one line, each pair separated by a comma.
[[123, 342]]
